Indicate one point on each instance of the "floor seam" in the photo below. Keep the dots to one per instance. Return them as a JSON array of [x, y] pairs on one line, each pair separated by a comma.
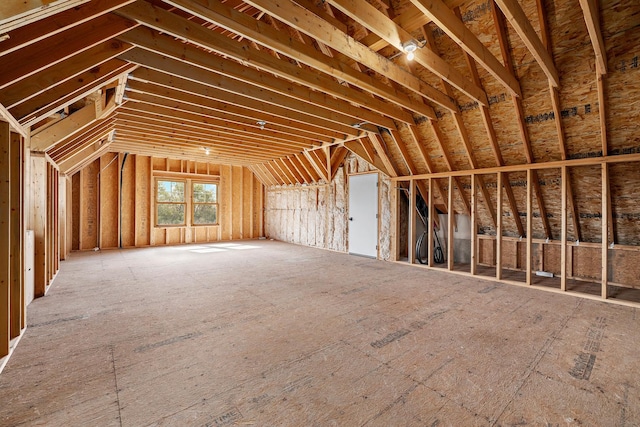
[[115, 378]]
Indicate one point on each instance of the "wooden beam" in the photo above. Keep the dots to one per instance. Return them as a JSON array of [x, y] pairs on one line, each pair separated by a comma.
[[592, 19], [17, 14], [522, 26], [307, 22], [24, 63], [70, 125], [264, 34], [587, 161], [17, 221], [530, 179], [563, 225], [15, 125], [375, 20], [235, 135], [450, 222], [64, 71], [430, 229], [176, 26], [213, 103], [5, 243], [199, 116], [246, 83], [43, 104], [605, 229], [411, 229], [378, 145], [506, 55], [316, 163], [19, 38], [444, 18], [474, 227], [358, 147], [500, 179], [337, 157]]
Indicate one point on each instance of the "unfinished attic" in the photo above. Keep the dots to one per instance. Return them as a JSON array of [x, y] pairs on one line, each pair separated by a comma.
[[481, 142]]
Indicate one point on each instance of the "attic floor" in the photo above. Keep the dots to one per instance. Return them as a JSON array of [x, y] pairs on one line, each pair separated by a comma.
[[271, 334]]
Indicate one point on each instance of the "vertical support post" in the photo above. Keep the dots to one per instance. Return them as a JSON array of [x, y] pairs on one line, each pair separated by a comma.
[[563, 236], [412, 222], [605, 228], [39, 212], [499, 227], [430, 223], [474, 226], [529, 223], [450, 226], [5, 244], [16, 238]]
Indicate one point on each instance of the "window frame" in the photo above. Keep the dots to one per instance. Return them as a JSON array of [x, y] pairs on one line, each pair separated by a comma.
[[194, 203], [184, 203]]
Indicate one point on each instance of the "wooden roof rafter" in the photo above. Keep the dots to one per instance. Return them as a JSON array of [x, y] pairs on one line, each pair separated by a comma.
[[302, 52], [305, 21], [171, 24], [444, 18], [371, 18]]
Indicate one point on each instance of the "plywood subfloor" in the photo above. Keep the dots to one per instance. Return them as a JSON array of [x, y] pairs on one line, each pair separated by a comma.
[[271, 334]]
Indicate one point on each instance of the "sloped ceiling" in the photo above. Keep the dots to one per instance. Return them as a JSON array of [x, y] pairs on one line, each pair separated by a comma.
[[288, 88]]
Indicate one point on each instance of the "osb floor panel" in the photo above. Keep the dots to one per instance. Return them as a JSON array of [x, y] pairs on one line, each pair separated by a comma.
[[270, 334]]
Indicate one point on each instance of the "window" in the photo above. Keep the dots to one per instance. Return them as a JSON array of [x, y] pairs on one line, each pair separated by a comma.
[[205, 203], [170, 203]]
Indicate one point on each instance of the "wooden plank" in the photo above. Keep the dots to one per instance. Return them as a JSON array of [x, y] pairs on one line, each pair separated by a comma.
[[17, 14], [247, 204], [376, 141], [587, 161], [530, 179], [5, 244], [15, 125], [375, 20], [24, 36], [197, 34], [45, 139], [499, 214], [474, 227], [605, 230], [592, 19], [518, 19], [44, 103], [240, 79], [24, 63], [39, 218], [430, 230], [170, 59], [411, 238], [563, 231], [17, 224], [444, 18], [337, 157], [450, 222], [236, 201], [65, 70], [280, 41], [305, 21]]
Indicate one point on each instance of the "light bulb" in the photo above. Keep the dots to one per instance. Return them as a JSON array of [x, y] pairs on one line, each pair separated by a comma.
[[410, 56], [206, 151]]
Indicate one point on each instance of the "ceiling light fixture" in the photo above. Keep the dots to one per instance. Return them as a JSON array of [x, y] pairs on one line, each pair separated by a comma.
[[410, 47], [261, 123], [207, 151]]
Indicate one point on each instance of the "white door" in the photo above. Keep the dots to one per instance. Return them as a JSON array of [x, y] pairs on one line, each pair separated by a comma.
[[363, 215]]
